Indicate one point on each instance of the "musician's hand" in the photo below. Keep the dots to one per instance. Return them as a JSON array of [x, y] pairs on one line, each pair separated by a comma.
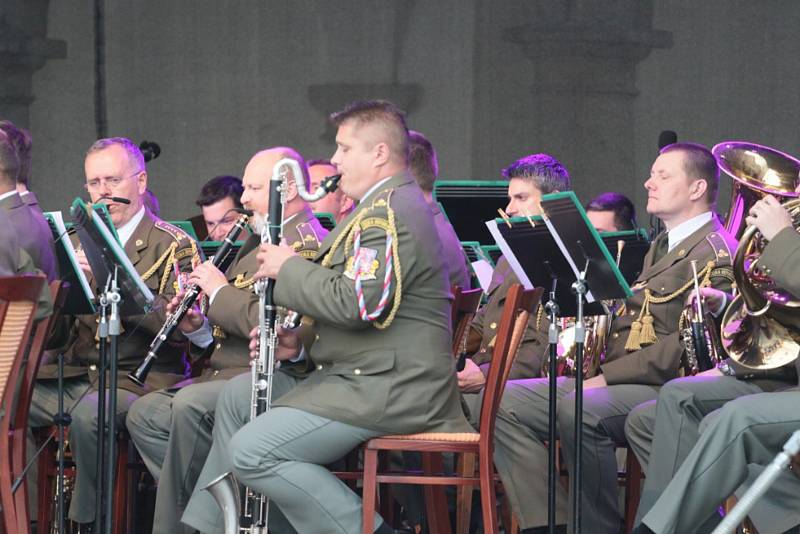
[[769, 217], [595, 382], [270, 260], [713, 299], [83, 263], [193, 320], [208, 277], [471, 379], [289, 344]]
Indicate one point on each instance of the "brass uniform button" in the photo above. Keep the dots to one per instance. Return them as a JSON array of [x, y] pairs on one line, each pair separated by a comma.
[[681, 252], [139, 242], [319, 367], [632, 312], [93, 367], [215, 373], [357, 372], [219, 346], [316, 336], [493, 326], [615, 335]]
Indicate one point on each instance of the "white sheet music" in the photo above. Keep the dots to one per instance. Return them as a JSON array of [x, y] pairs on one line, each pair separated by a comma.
[[58, 221]]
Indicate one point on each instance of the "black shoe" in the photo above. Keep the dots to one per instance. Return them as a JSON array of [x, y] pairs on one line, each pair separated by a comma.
[[642, 529], [386, 529]]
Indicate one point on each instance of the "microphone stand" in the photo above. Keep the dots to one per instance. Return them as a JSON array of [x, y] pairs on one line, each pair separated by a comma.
[[552, 337]]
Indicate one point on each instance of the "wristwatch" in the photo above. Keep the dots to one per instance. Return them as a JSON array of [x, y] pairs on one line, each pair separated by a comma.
[[726, 368]]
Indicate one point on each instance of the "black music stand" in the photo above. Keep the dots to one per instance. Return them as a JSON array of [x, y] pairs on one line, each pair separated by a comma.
[[109, 263], [536, 258], [634, 248], [468, 203], [590, 261]]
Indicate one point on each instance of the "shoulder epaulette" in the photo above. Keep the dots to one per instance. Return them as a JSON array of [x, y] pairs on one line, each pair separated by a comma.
[[719, 245], [176, 233]]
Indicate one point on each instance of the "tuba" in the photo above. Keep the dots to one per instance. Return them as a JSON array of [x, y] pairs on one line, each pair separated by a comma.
[[224, 489], [760, 328]]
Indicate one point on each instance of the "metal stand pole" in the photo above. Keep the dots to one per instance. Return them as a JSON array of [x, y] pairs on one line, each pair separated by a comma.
[[114, 299], [579, 287], [61, 420], [102, 334], [552, 337]]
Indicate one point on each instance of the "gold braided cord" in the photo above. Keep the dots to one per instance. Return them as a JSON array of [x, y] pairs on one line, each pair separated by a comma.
[[243, 284], [167, 268], [642, 330], [348, 236], [151, 271]]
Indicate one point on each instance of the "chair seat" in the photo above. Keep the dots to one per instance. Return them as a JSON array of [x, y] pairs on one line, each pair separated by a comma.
[[461, 437]]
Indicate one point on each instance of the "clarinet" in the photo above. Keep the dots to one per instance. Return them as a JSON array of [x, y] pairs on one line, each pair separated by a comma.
[[139, 376]]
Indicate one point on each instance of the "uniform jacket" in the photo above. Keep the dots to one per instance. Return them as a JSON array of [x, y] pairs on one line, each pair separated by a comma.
[[234, 311], [14, 261], [148, 243], [453, 254], [660, 362], [528, 362], [31, 201], [33, 234], [398, 379]]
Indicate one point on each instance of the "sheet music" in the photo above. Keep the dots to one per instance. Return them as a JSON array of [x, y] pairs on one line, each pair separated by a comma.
[[483, 271], [509, 254], [69, 248], [589, 297]]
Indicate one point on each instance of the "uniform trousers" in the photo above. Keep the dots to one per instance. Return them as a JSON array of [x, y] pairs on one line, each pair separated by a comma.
[[521, 457], [172, 432], [82, 434], [663, 433], [231, 413], [748, 430]]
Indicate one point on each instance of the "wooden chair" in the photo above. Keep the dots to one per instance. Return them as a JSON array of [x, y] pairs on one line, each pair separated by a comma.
[[519, 304], [631, 480], [18, 298]]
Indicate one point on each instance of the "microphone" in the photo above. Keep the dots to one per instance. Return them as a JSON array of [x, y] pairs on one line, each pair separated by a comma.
[[118, 200], [666, 137], [150, 150]]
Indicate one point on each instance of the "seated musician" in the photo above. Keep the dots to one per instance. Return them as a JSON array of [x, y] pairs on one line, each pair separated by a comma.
[[219, 197], [33, 232], [424, 166], [643, 352], [115, 168], [611, 212], [725, 424], [336, 203], [382, 343], [528, 179], [172, 427]]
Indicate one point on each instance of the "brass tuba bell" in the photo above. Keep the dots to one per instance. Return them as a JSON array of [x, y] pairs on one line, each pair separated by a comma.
[[760, 328], [756, 171]]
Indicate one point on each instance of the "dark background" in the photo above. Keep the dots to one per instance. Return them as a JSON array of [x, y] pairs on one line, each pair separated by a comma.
[[591, 81]]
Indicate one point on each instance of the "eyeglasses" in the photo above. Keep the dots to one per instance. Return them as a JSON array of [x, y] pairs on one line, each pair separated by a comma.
[[112, 182]]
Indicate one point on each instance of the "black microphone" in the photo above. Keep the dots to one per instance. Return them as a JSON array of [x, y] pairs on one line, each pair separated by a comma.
[[150, 150], [118, 200], [667, 137]]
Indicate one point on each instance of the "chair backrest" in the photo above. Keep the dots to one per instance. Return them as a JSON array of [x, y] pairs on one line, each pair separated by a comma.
[[465, 305], [518, 306], [18, 298]]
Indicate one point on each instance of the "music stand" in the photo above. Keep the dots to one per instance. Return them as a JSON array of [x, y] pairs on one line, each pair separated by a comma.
[[589, 260], [536, 258], [636, 245], [109, 262], [467, 203]]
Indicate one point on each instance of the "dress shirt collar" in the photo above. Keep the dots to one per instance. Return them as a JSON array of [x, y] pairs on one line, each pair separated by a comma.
[[687, 228], [7, 194], [126, 230]]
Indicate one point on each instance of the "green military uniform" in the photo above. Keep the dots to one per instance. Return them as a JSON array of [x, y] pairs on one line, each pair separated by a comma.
[[33, 233], [750, 429], [155, 248], [172, 427], [643, 352], [392, 375], [14, 261]]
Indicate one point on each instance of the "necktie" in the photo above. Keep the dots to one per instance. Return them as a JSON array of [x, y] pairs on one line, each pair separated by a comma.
[[660, 247]]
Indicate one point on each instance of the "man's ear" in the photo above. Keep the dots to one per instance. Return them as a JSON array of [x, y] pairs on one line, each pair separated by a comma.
[[291, 190], [142, 182], [698, 189], [381, 154]]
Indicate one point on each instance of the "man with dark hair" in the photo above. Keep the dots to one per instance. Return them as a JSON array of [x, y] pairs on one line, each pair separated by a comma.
[[218, 199], [643, 352], [424, 166], [528, 179], [382, 342], [611, 212], [337, 203], [21, 139], [114, 168], [172, 427], [33, 232]]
